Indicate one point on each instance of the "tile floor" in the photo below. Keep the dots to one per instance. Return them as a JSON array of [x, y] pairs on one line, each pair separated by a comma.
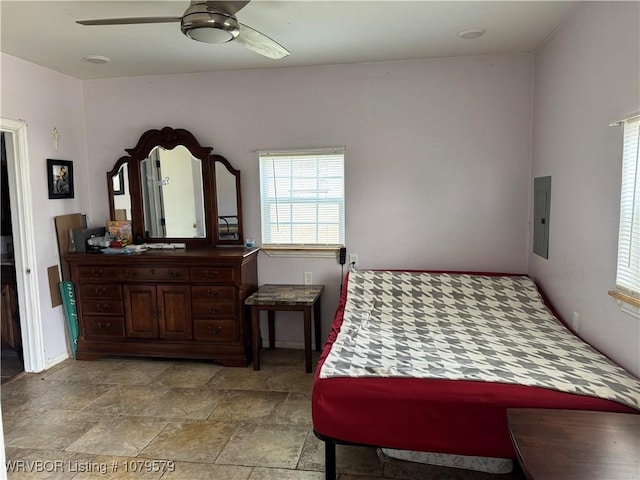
[[79, 420]]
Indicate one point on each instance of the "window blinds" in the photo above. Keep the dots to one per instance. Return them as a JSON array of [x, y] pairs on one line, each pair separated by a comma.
[[302, 197], [628, 272]]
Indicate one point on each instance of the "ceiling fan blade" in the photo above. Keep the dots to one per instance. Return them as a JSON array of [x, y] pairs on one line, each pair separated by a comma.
[[230, 6], [129, 21], [260, 43]]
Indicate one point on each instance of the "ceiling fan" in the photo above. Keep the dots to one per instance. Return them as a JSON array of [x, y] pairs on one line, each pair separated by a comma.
[[210, 22]]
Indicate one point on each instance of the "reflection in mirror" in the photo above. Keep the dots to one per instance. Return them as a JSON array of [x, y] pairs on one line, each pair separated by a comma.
[[227, 201], [172, 194], [121, 194]]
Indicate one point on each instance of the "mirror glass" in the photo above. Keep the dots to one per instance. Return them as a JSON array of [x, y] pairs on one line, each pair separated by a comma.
[[172, 194], [227, 201], [121, 194]]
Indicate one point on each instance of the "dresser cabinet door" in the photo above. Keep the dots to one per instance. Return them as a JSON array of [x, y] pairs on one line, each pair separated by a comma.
[[141, 311], [162, 311], [174, 302]]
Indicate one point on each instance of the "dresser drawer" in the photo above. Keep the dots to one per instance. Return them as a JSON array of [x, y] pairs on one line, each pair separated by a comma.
[[222, 294], [215, 330], [213, 275], [98, 290], [95, 327], [98, 306], [155, 273], [213, 310], [97, 273]]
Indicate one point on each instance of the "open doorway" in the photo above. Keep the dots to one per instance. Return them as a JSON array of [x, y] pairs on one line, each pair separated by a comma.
[[11, 336], [14, 133]]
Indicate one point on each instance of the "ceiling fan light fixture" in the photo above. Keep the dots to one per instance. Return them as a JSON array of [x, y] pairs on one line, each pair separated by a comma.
[[210, 27], [210, 21]]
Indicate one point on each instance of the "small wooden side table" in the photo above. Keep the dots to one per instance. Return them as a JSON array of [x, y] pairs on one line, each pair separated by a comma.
[[576, 444], [302, 298]]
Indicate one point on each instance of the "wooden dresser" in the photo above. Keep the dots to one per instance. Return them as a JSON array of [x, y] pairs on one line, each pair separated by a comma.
[[166, 303]]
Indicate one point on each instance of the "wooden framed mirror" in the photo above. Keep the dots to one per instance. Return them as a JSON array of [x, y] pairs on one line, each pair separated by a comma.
[[173, 190]]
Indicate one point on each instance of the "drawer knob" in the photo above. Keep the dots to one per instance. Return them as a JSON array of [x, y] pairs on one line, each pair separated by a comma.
[[100, 291], [212, 293], [213, 274], [131, 273], [101, 307], [214, 309], [174, 273], [214, 330], [96, 272], [104, 326]]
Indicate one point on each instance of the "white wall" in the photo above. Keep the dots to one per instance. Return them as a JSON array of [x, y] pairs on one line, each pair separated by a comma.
[[587, 76], [437, 161], [46, 100]]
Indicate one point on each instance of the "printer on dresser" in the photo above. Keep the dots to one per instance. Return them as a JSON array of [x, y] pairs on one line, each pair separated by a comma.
[[185, 302]]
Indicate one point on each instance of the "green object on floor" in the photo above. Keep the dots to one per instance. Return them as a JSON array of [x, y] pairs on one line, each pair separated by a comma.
[[70, 313]]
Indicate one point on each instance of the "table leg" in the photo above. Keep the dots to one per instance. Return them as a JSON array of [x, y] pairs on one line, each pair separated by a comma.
[[272, 328], [255, 337], [317, 318], [307, 338]]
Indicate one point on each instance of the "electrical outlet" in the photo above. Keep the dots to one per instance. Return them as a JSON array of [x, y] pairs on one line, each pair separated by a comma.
[[576, 322], [353, 260], [308, 278]]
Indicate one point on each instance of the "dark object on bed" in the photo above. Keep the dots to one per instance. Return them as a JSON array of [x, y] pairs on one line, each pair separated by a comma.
[[440, 415]]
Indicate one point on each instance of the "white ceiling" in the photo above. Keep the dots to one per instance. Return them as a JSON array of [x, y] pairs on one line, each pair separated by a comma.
[[315, 32]]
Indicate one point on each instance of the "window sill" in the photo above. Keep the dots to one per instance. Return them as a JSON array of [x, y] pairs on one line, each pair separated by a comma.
[[294, 251], [627, 303]]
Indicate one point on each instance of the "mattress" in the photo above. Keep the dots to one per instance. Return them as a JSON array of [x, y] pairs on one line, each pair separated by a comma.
[[377, 405]]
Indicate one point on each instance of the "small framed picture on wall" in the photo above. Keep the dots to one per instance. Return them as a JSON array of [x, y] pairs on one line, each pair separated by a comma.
[[60, 178]]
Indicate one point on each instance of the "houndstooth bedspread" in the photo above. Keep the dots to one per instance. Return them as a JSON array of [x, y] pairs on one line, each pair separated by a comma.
[[466, 327]]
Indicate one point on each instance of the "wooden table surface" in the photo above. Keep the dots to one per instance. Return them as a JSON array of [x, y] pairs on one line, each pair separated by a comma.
[[575, 444]]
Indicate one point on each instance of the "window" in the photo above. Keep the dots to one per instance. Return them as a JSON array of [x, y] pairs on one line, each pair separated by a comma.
[[302, 198], [628, 272]]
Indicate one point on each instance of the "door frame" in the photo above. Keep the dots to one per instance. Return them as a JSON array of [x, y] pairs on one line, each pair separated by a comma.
[[24, 243]]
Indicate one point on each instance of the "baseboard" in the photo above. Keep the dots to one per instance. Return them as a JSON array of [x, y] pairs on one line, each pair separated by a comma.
[[286, 344], [52, 362]]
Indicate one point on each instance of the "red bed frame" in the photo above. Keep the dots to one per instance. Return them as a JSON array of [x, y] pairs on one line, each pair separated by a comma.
[[431, 415]]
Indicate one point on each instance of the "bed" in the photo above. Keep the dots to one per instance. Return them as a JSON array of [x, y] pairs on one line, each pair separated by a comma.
[[430, 361]]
